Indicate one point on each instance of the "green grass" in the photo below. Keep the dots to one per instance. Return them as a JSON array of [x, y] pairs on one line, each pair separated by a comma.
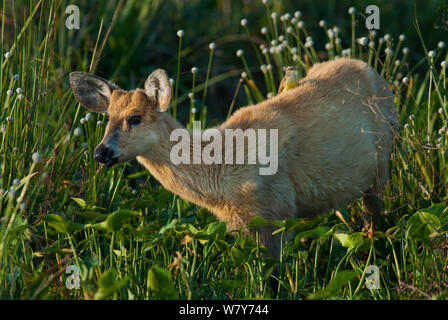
[[131, 238]]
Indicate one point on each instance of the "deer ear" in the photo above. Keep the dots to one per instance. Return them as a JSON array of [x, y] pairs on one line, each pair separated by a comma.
[[158, 86], [91, 91]]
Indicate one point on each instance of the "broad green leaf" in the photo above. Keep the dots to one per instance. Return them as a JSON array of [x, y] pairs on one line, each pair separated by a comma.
[[116, 220], [60, 224], [169, 226], [423, 225], [92, 216], [340, 280], [301, 225], [215, 228], [221, 245], [257, 221], [81, 202], [158, 278], [159, 282], [313, 233], [97, 226], [439, 209], [237, 257], [352, 241], [108, 284]]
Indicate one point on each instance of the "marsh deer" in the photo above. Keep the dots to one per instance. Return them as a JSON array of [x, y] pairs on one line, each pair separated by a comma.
[[335, 131]]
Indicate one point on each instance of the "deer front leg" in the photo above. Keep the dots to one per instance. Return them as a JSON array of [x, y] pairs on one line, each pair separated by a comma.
[[272, 243]]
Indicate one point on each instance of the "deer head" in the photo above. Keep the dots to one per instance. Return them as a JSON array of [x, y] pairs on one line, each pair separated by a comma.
[[134, 116]]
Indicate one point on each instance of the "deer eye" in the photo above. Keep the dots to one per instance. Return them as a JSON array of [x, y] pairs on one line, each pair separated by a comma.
[[134, 120]]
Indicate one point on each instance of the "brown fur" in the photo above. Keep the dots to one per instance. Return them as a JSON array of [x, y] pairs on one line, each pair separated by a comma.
[[335, 135]]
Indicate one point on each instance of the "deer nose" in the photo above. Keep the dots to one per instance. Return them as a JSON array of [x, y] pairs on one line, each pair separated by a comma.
[[103, 154]]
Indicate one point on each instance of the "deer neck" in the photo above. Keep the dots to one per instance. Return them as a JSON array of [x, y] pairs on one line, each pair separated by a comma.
[[192, 182]]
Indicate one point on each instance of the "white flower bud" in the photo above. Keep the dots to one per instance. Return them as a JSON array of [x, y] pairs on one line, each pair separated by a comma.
[[351, 10], [264, 30], [194, 70], [243, 22], [180, 33], [8, 55], [402, 37], [77, 131], [363, 41], [212, 46], [239, 53], [36, 157], [389, 51], [322, 23]]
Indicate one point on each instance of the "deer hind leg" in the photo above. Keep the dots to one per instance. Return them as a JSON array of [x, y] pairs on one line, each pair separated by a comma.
[[371, 209], [372, 201]]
